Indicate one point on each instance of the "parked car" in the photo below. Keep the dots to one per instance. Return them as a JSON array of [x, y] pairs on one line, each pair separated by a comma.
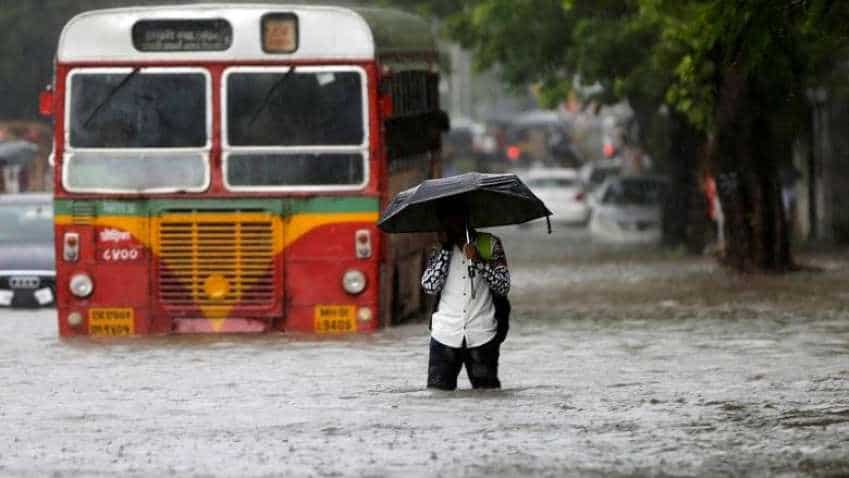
[[627, 210], [27, 267], [561, 190]]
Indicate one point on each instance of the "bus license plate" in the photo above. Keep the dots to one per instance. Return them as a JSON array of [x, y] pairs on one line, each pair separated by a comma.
[[110, 322], [335, 319]]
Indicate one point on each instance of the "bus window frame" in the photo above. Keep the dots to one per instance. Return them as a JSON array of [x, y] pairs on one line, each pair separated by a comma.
[[363, 148], [205, 151]]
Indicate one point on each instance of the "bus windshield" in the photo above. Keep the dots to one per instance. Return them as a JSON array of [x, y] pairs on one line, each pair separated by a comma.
[[137, 109], [295, 108], [273, 114], [138, 130]]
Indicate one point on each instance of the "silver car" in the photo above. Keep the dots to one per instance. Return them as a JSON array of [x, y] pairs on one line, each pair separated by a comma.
[[27, 267], [628, 210]]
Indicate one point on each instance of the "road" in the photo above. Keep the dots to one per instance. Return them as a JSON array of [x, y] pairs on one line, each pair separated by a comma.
[[635, 362]]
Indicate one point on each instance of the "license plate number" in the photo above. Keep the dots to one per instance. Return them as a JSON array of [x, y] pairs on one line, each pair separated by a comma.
[[110, 322], [335, 319]]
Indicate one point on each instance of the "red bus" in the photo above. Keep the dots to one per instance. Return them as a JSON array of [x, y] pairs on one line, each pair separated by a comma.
[[220, 168]]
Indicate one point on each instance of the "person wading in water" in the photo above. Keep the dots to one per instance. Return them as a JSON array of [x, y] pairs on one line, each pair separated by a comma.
[[471, 317]]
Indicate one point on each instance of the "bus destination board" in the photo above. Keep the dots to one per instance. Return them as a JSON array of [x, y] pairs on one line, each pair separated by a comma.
[[182, 35]]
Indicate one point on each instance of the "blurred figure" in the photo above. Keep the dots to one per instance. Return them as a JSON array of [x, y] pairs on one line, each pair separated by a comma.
[[789, 176], [714, 212]]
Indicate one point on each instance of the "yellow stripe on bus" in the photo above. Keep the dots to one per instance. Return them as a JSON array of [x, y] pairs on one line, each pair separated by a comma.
[[299, 224], [295, 226]]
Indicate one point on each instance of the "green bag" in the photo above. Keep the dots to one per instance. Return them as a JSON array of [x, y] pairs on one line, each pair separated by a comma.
[[485, 243]]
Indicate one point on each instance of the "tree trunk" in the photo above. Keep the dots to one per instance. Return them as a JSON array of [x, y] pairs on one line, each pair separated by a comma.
[[683, 214], [756, 232]]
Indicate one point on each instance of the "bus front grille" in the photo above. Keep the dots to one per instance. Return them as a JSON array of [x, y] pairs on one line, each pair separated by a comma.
[[216, 259]]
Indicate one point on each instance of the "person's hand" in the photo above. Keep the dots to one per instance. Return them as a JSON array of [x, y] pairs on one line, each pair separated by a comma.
[[471, 252]]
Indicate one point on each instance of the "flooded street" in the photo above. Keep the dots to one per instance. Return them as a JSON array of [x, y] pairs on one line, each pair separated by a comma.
[[618, 363]]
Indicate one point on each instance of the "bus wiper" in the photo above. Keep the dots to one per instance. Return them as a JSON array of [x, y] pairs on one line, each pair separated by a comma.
[[111, 94], [270, 92]]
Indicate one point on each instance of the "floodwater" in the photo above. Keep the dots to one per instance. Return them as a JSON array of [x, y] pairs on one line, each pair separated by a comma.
[[634, 362]]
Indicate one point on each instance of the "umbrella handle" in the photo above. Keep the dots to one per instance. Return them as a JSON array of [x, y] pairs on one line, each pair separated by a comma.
[[471, 269]]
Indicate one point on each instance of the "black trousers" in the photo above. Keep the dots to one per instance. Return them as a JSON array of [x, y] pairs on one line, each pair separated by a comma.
[[481, 365]]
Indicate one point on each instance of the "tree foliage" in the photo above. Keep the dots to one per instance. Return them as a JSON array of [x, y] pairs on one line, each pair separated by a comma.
[[736, 72], [651, 52]]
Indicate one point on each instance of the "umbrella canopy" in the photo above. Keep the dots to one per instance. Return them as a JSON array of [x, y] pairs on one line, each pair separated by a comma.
[[17, 152], [489, 200]]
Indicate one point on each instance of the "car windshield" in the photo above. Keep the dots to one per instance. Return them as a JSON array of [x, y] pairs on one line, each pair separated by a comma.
[[598, 175], [26, 222], [642, 192], [299, 107]]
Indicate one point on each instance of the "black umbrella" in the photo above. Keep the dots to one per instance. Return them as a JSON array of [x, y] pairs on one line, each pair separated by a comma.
[[487, 200]]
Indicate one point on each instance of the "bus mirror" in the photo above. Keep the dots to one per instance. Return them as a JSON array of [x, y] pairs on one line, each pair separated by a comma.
[[45, 102], [386, 105]]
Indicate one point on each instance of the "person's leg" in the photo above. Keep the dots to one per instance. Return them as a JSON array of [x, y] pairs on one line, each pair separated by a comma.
[[443, 366], [482, 365]]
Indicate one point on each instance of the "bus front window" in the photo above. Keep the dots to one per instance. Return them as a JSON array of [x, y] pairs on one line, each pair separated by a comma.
[[297, 126], [295, 108], [137, 130]]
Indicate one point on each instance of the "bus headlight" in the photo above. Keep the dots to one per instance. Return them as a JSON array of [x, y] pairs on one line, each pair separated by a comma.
[[353, 281], [81, 285]]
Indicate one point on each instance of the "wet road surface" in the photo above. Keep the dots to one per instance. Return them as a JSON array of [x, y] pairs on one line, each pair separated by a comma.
[[618, 363]]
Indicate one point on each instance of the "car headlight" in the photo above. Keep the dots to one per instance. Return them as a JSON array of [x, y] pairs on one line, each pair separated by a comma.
[[81, 285], [353, 281]]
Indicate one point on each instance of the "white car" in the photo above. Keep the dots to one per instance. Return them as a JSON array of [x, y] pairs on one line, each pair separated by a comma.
[[628, 210], [561, 190]]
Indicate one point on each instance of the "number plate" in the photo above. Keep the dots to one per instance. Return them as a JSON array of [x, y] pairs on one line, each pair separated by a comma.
[[335, 319], [110, 322]]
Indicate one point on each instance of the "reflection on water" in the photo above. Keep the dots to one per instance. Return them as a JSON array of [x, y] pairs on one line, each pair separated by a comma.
[[675, 372]]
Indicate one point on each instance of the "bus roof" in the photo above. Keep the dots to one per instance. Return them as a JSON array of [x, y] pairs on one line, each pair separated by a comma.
[[324, 33]]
